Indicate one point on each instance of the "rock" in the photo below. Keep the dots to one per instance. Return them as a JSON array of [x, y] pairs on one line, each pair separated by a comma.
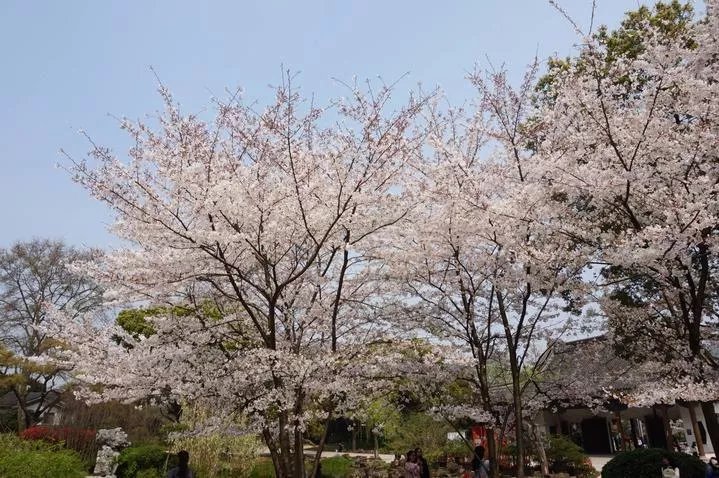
[[115, 438], [111, 442], [106, 462]]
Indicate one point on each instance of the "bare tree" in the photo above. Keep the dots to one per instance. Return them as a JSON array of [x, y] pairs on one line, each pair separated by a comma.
[[36, 275]]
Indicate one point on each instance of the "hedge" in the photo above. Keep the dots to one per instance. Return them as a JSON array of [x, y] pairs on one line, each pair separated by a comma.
[[647, 463], [144, 460]]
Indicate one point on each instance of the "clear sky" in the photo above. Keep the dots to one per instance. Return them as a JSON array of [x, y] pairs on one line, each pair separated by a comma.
[[68, 65]]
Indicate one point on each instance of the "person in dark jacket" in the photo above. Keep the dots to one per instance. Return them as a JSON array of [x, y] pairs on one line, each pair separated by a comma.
[[480, 466], [713, 468], [182, 470], [422, 462]]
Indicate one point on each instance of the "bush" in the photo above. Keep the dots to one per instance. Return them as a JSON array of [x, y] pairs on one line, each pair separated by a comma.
[[81, 440], [566, 456], [646, 463], [37, 459], [336, 467], [419, 430], [136, 461], [66, 435], [457, 448], [151, 473]]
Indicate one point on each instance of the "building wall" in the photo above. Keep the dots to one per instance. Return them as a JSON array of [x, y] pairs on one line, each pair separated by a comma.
[[592, 429], [688, 429]]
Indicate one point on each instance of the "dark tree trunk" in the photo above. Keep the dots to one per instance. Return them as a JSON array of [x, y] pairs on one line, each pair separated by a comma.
[[321, 448], [518, 421], [493, 453]]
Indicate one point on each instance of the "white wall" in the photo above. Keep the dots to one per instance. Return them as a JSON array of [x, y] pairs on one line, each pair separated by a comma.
[[688, 429]]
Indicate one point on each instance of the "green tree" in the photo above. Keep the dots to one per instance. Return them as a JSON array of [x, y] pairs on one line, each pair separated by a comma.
[[670, 20]]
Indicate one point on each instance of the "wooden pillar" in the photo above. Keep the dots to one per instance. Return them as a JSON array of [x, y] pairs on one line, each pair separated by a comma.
[[667, 427], [622, 435], [633, 430], [695, 428], [558, 416]]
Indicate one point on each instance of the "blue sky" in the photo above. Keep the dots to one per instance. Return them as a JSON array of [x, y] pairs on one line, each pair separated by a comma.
[[69, 65]]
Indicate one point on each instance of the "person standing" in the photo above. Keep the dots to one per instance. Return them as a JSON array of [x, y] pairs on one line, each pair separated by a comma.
[[182, 470], [480, 466], [411, 468], [713, 468], [422, 462]]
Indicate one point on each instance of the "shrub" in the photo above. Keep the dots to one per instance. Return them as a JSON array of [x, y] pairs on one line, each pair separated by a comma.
[[37, 459], [150, 473], [419, 430], [646, 463], [456, 448], [138, 461], [58, 434], [566, 456], [336, 467], [81, 440]]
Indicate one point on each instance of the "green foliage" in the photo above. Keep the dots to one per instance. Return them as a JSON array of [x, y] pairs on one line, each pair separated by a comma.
[[136, 459], [457, 448], [150, 473], [646, 463], [134, 321], [565, 455], [384, 415], [336, 467], [37, 459], [262, 469], [670, 19], [419, 430]]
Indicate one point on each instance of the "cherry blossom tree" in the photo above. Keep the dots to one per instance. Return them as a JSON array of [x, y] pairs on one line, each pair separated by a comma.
[[484, 266], [628, 151], [256, 232]]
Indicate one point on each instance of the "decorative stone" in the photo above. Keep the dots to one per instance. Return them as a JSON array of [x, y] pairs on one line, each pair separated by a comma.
[[106, 462], [111, 442]]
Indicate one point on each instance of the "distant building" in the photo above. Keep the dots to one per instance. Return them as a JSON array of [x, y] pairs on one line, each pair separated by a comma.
[[9, 407], [610, 425]]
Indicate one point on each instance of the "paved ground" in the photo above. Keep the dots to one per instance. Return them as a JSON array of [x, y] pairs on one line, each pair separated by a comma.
[[385, 457], [598, 462]]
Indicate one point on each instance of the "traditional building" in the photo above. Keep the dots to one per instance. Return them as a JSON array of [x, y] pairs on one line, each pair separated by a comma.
[[589, 390]]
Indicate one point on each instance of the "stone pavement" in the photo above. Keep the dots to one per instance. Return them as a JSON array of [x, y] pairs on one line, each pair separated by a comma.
[[598, 462]]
